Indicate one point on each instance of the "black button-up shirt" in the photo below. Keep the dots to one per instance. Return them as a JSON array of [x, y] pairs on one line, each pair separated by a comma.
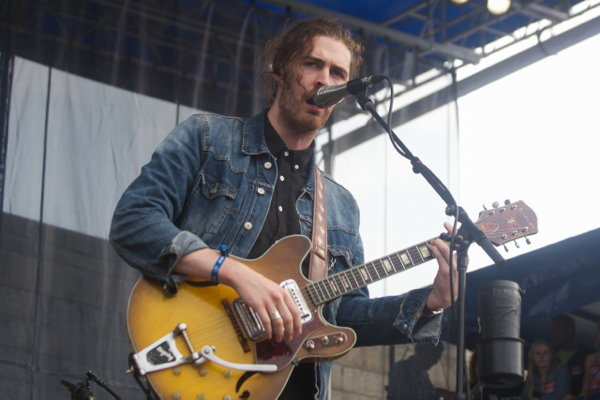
[[292, 168], [281, 221]]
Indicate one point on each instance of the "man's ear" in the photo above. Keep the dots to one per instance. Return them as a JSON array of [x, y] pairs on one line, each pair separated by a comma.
[[277, 71]]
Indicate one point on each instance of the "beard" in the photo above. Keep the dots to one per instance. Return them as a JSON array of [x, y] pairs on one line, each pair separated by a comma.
[[293, 115]]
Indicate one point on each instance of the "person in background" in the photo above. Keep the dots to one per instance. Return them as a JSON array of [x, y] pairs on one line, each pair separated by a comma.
[[547, 378], [569, 353], [591, 380], [408, 379]]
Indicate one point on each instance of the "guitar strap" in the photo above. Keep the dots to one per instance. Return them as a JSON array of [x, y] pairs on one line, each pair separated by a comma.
[[318, 256]]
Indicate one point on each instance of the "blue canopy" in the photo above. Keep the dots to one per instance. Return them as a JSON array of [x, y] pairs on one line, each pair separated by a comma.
[[560, 278]]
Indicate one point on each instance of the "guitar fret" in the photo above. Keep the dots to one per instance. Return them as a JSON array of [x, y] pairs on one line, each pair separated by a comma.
[[325, 287], [345, 281], [419, 254], [388, 265], [352, 272], [333, 288], [363, 274], [425, 251], [323, 296], [313, 293], [415, 255], [382, 268], [377, 272], [406, 260], [397, 255]]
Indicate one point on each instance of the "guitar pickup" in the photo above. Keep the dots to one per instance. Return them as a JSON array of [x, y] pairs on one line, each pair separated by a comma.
[[294, 290]]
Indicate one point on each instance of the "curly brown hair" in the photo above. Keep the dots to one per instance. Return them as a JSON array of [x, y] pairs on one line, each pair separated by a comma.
[[282, 54]]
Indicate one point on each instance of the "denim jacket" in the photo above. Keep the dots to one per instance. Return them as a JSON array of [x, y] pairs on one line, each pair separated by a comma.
[[209, 183]]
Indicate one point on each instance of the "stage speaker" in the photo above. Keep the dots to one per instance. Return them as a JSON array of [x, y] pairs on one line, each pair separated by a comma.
[[501, 349]]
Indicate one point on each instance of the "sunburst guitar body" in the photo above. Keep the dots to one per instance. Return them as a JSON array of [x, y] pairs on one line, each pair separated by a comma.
[[209, 322]]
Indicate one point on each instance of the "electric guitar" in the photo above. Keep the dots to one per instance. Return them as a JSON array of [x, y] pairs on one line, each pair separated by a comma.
[[206, 343]]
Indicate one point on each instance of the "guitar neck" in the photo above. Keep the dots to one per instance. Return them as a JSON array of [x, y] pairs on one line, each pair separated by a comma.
[[337, 285]]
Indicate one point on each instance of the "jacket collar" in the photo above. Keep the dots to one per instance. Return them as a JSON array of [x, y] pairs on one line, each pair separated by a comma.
[[254, 137], [254, 143]]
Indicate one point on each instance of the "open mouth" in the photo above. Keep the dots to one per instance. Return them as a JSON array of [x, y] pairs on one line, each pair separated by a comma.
[[311, 102]]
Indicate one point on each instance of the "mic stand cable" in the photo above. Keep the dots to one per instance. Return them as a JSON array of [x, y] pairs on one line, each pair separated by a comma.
[[468, 231]]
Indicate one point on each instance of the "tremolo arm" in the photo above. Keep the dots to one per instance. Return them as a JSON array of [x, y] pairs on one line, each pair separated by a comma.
[[163, 354]]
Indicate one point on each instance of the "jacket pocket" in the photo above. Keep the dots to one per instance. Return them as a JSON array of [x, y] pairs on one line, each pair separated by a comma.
[[208, 205], [213, 188]]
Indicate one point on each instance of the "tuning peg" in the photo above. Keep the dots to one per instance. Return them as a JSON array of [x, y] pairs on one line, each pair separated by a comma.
[[506, 202], [484, 207], [517, 244], [495, 204], [527, 240], [505, 248]]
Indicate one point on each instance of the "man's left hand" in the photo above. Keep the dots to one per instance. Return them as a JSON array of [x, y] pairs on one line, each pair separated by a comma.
[[440, 297]]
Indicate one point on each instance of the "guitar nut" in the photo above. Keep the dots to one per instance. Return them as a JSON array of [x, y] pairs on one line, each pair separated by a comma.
[[227, 373], [176, 371], [325, 340], [202, 372], [339, 340]]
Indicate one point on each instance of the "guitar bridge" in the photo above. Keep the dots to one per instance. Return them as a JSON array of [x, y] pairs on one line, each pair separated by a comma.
[[249, 319]]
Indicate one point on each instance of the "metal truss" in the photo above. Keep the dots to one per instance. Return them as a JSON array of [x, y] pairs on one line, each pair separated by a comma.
[[201, 52]]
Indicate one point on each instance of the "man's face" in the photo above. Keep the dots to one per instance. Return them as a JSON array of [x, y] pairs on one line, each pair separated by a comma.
[[327, 64]]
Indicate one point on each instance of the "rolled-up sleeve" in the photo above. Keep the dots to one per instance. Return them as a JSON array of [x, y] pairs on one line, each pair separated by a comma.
[[143, 229]]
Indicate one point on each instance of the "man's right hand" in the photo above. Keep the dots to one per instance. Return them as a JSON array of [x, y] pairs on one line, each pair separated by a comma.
[[271, 302]]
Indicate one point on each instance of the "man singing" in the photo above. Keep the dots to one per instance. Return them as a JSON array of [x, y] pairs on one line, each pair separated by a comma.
[[246, 183]]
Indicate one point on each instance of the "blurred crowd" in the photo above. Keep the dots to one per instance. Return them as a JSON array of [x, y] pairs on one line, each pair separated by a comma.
[[559, 369]]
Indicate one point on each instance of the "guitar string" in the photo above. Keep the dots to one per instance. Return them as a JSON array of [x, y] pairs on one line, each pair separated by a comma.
[[377, 266]]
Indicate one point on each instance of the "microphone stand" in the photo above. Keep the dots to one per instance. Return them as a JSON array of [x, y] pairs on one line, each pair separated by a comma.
[[467, 234]]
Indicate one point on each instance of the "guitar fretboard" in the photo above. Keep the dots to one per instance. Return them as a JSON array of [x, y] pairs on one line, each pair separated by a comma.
[[338, 285]]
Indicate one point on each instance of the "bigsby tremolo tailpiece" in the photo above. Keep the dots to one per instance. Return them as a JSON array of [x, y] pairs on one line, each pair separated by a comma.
[[163, 354]]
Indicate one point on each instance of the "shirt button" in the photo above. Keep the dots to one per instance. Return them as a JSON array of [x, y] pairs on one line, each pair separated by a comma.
[[268, 165], [248, 225], [280, 209], [405, 326], [296, 167], [260, 191], [286, 154], [281, 178]]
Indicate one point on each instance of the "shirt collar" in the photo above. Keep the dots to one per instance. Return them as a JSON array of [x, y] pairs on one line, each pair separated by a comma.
[[276, 145]]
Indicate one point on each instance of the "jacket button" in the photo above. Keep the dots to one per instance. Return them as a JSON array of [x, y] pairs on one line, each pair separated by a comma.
[[213, 190], [260, 191], [248, 225], [268, 165]]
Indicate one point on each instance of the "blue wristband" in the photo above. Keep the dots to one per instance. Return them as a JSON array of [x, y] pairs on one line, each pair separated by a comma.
[[214, 276]]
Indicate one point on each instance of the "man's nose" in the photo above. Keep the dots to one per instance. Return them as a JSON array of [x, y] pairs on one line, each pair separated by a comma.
[[323, 77]]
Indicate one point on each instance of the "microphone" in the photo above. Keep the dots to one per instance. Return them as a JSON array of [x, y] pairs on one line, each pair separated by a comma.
[[330, 95]]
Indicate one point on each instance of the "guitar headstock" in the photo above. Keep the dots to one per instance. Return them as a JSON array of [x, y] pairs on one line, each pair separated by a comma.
[[508, 222]]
